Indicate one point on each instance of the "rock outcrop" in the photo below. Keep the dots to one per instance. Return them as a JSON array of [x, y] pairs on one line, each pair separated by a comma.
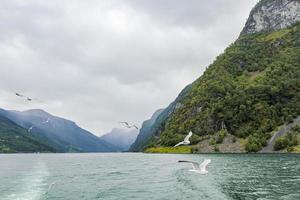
[[272, 15]]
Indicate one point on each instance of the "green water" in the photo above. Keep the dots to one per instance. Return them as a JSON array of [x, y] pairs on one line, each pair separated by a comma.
[[148, 176]]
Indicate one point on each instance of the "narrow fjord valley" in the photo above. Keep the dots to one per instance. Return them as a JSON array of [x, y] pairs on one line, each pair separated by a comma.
[[169, 99], [247, 100]]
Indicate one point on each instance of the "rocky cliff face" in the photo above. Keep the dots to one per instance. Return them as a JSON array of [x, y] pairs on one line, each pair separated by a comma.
[[272, 15]]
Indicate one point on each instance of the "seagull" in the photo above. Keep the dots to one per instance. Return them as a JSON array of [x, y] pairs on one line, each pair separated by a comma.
[[198, 168], [19, 95], [186, 140], [23, 96], [30, 128], [50, 186], [45, 122], [130, 126]]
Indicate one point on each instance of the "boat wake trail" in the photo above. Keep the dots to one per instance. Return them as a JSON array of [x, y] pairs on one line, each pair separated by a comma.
[[33, 186]]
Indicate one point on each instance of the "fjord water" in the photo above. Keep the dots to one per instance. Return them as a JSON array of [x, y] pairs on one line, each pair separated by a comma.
[[115, 176]]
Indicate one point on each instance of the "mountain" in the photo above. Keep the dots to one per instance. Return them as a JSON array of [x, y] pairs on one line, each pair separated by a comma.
[[246, 94], [122, 138], [268, 16], [152, 127], [61, 133], [14, 138]]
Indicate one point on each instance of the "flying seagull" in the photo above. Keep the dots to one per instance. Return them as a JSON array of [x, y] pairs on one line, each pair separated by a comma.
[[30, 128], [45, 122], [198, 168], [186, 140], [23, 96], [130, 125]]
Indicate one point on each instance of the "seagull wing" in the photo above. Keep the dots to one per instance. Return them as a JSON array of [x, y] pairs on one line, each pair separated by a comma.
[[126, 123], [19, 95], [196, 165], [180, 143], [204, 164], [137, 128], [30, 128], [188, 136]]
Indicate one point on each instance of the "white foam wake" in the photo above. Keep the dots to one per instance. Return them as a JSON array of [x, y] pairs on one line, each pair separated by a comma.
[[33, 185]]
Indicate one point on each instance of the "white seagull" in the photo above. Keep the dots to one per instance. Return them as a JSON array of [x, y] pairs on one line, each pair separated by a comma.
[[198, 168], [186, 140], [45, 122], [30, 128], [129, 125]]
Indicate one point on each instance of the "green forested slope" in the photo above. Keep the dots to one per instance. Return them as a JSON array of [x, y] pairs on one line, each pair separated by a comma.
[[249, 90], [14, 138]]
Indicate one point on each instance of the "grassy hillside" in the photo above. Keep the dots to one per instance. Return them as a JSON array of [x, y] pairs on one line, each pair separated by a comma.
[[14, 138], [249, 90]]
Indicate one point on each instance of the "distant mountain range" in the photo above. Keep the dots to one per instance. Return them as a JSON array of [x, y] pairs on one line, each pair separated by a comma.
[[122, 138], [60, 134]]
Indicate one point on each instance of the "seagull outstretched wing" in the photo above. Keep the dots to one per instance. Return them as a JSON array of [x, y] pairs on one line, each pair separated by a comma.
[[19, 95], [134, 126], [196, 165], [180, 143], [204, 164], [126, 123], [199, 167], [186, 139]]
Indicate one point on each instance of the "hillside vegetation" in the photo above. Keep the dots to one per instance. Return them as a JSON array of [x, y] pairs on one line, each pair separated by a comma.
[[14, 138], [248, 91]]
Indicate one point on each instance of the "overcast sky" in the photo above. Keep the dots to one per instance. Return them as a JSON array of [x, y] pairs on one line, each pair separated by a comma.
[[98, 62]]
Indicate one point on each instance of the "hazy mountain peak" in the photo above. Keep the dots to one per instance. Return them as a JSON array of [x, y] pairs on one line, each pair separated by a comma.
[[122, 138]]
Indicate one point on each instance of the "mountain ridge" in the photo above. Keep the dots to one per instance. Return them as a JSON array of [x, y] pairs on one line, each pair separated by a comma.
[[15, 139], [64, 134]]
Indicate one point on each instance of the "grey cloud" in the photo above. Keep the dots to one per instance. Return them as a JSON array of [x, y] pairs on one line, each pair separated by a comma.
[[98, 62]]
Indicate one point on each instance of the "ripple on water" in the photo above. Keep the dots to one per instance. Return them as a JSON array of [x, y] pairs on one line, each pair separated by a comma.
[[148, 176]]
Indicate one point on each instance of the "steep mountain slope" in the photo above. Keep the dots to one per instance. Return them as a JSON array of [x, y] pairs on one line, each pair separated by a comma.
[[249, 90], [121, 138], [152, 127], [63, 134], [14, 138]]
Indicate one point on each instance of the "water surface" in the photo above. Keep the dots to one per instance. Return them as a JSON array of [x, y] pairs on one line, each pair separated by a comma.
[[116, 176]]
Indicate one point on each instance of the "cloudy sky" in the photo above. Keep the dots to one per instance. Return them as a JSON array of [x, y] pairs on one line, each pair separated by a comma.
[[98, 62]]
